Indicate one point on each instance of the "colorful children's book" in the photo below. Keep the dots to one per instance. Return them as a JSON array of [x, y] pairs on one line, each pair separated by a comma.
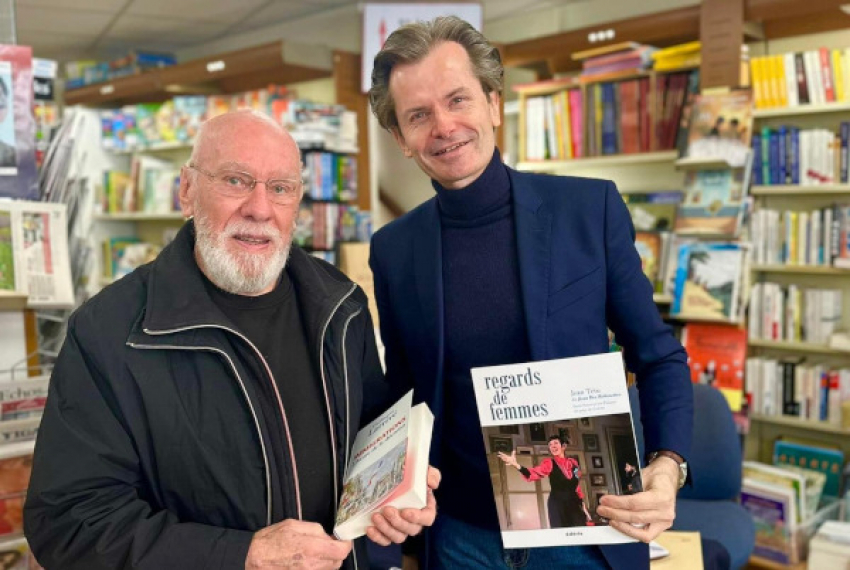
[[830, 462], [720, 128], [713, 202], [708, 280]]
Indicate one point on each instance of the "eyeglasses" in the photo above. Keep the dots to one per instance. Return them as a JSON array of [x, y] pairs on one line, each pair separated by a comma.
[[236, 184]]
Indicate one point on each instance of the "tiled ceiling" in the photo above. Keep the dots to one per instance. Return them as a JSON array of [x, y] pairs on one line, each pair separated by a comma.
[[72, 29]]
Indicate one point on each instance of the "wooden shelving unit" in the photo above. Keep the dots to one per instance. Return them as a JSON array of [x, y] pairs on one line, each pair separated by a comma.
[[598, 161], [805, 347], [801, 269], [797, 190], [801, 110], [12, 301]]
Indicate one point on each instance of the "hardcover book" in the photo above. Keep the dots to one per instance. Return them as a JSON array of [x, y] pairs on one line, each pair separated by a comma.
[[713, 202], [558, 436], [388, 467], [716, 356], [720, 127], [708, 280]]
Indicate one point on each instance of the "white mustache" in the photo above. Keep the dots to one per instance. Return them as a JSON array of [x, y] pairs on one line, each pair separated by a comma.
[[247, 228]]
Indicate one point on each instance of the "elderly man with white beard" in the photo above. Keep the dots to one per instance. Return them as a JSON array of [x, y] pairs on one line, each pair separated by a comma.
[[202, 409]]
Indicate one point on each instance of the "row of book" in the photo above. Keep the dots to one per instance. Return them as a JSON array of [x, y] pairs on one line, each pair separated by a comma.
[[793, 314], [609, 118], [788, 155], [811, 77], [817, 238], [792, 387], [330, 176], [152, 186], [783, 500], [626, 57], [80, 73], [313, 125], [321, 225]]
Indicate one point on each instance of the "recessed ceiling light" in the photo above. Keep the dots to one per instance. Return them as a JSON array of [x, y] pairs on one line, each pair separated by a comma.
[[845, 8]]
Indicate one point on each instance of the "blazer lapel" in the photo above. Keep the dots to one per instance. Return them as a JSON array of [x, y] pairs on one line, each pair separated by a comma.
[[533, 230], [427, 265]]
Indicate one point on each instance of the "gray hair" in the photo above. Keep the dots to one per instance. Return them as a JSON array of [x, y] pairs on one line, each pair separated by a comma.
[[413, 42]]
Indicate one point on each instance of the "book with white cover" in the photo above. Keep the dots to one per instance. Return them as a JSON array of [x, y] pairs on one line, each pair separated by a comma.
[[388, 467], [558, 436]]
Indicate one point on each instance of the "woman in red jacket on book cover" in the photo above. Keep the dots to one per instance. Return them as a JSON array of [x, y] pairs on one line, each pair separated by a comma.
[[566, 499]]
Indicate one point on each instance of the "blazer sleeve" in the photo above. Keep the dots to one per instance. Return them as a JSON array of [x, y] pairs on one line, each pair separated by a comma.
[[651, 351]]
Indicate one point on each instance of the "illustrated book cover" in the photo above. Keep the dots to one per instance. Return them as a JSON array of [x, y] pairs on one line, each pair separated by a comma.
[[558, 436], [388, 467]]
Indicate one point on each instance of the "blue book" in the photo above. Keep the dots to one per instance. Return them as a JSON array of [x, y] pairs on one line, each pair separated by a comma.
[[845, 134], [758, 178], [795, 155], [781, 154], [609, 120], [774, 157]]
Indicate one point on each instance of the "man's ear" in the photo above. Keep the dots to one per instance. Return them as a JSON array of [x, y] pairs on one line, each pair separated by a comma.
[[494, 103], [187, 193], [399, 139]]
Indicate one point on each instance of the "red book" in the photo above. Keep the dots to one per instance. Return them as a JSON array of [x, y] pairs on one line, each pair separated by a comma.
[[826, 74], [716, 356]]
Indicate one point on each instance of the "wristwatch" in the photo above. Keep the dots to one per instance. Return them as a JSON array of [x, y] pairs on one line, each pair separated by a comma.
[[683, 465]]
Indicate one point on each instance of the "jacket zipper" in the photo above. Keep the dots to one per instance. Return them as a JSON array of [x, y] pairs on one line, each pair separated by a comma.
[[325, 387], [247, 399], [280, 405], [347, 412]]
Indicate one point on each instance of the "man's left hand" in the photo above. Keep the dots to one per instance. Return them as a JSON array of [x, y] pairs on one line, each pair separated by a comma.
[[392, 525], [653, 510]]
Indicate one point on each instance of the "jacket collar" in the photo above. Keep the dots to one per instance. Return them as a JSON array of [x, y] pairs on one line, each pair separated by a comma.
[[178, 300]]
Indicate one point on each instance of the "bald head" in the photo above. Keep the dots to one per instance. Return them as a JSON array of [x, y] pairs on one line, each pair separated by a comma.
[[221, 134]]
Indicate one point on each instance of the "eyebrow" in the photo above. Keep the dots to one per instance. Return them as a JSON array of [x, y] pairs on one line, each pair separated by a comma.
[[452, 93], [233, 165]]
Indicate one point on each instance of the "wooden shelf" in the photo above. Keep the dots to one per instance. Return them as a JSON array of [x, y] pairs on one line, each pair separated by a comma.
[[607, 161], [798, 190], [812, 425], [699, 163], [807, 347], [161, 147], [702, 319], [662, 299], [546, 87], [801, 269], [801, 110], [12, 301], [140, 217], [243, 70]]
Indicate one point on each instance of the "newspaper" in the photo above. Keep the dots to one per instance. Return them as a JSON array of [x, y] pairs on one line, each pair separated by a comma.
[[40, 249]]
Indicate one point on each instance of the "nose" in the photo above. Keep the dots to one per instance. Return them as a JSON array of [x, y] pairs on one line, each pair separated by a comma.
[[443, 123], [257, 205]]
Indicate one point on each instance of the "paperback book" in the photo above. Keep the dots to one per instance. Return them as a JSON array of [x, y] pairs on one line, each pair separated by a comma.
[[388, 467], [558, 436], [709, 280], [713, 202], [716, 357]]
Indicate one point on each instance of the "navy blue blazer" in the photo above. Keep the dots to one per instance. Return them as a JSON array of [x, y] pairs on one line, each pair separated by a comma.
[[580, 275]]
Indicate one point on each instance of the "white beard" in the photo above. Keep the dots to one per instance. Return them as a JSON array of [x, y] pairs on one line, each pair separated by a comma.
[[239, 273]]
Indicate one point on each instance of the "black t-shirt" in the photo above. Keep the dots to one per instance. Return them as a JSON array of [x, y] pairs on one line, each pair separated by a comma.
[[273, 323]]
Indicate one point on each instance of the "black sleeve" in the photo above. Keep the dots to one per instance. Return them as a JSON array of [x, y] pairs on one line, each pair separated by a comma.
[[83, 507]]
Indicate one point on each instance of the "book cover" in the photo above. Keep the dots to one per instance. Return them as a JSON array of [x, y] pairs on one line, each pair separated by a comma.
[[720, 127], [772, 508], [18, 175], [558, 436], [712, 203], [388, 467], [708, 278], [827, 461], [648, 245], [716, 357]]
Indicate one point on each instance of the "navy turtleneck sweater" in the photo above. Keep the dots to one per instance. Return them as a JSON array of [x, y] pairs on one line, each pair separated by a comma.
[[485, 326]]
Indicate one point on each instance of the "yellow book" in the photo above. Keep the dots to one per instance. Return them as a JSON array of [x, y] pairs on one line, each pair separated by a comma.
[[679, 50], [838, 75], [779, 76], [758, 88], [768, 98], [558, 112], [564, 103]]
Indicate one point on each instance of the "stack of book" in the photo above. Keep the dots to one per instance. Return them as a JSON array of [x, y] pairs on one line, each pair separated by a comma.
[[678, 56], [812, 77], [614, 60]]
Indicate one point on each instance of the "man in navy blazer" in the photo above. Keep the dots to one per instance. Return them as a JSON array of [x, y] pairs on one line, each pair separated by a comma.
[[501, 267]]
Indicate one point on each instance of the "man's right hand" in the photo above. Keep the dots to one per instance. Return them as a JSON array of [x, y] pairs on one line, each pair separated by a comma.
[[293, 543]]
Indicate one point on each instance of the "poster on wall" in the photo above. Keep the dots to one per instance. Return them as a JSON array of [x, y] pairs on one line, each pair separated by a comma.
[[380, 20], [18, 176]]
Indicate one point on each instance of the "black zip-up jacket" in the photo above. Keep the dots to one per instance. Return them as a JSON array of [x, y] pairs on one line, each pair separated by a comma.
[[151, 451]]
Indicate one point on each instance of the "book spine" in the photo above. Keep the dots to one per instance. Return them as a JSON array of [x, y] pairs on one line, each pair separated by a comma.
[[845, 135], [826, 75], [758, 177], [802, 87], [795, 155]]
